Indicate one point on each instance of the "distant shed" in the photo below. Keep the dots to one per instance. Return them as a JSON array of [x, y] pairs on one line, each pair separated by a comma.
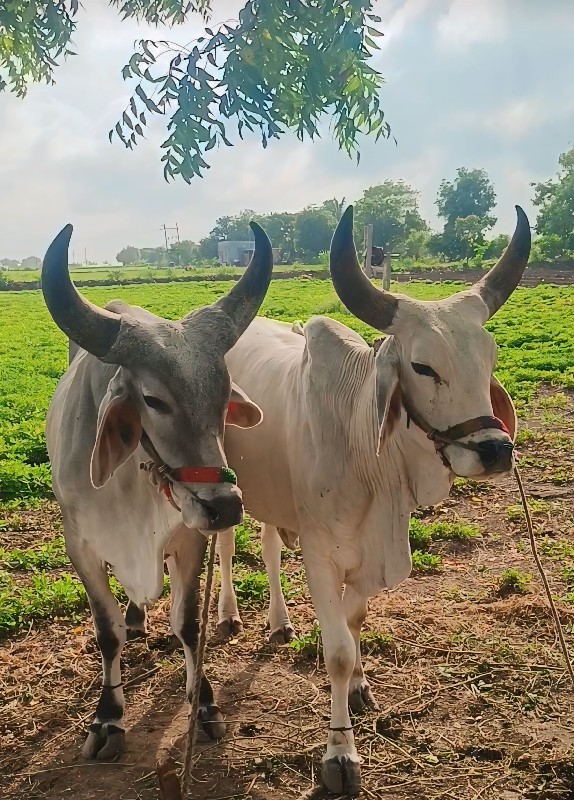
[[239, 253]]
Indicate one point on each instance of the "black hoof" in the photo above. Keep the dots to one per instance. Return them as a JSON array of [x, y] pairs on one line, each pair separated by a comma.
[[282, 635], [228, 628], [134, 635], [341, 776], [104, 742], [361, 699], [211, 720], [165, 644]]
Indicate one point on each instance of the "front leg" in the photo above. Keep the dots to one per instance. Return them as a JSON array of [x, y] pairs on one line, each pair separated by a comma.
[[185, 564], [230, 623], [340, 770], [106, 737], [281, 630], [360, 694]]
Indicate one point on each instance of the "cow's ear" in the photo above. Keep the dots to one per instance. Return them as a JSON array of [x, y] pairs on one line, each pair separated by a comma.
[[502, 406], [118, 434], [388, 390], [241, 411]]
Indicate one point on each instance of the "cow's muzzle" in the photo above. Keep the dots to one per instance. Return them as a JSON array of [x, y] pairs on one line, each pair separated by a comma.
[[496, 455], [211, 500], [222, 512]]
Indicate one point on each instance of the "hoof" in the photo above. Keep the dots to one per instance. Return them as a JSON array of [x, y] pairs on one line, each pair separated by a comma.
[[165, 644], [230, 627], [341, 776], [361, 699], [211, 720], [105, 742], [135, 634], [282, 635]]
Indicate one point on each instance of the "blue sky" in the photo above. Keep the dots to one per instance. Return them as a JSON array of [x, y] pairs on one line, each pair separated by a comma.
[[475, 83]]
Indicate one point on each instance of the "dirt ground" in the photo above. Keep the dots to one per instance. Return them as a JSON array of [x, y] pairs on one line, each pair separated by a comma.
[[475, 701]]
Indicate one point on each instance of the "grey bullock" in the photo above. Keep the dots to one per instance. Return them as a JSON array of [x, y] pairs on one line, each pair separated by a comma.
[[145, 391], [353, 439]]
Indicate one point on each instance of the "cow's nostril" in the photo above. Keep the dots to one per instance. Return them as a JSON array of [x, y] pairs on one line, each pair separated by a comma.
[[494, 451], [212, 511], [223, 512]]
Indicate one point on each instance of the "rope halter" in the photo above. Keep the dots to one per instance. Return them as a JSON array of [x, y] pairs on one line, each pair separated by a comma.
[[164, 477]]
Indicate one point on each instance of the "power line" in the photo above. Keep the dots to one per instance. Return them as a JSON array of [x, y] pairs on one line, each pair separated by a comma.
[[165, 229]]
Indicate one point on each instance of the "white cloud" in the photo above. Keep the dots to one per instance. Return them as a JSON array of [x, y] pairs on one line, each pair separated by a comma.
[[395, 22], [516, 120], [471, 22]]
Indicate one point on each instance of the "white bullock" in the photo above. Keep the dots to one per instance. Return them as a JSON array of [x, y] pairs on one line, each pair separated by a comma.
[[353, 439]]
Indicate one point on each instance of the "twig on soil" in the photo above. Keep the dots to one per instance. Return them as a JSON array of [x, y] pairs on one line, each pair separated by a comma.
[[489, 786], [545, 583]]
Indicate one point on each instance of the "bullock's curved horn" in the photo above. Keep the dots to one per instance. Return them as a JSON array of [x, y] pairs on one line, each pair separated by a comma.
[[499, 283], [376, 308], [242, 303], [90, 327]]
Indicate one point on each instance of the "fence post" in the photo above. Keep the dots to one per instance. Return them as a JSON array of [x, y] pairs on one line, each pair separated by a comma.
[[368, 234], [387, 272]]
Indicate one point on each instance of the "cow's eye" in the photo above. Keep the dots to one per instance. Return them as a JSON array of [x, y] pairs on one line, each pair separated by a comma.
[[424, 369], [156, 404]]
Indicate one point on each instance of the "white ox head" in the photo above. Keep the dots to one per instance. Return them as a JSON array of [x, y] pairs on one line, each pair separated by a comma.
[[171, 383], [439, 359]]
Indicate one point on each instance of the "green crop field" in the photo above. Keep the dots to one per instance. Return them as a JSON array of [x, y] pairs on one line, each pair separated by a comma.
[[534, 331]]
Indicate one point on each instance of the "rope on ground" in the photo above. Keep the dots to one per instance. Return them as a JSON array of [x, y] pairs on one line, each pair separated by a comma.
[[192, 729], [545, 583]]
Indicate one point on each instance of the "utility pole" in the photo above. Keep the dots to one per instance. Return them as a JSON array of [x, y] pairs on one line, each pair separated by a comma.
[[85, 257], [368, 234], [165, 229]]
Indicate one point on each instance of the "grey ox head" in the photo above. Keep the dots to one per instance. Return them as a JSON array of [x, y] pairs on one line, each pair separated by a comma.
[[440, 356], [171, 382]]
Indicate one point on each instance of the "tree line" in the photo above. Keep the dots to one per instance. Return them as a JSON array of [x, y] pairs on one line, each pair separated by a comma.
[[464, 204]]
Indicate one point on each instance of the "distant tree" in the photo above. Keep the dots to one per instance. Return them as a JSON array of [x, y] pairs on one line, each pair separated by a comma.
[[416, 244], [234, 229], [32, 262], [471, 194], [470, 231], [548, 248], [10, 263], [313, 232], [497, 245], [154, 256], [207, 248], [392, 209], [436, 246], [555, 201], [129, 255], [183, 253], [280, 227]]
